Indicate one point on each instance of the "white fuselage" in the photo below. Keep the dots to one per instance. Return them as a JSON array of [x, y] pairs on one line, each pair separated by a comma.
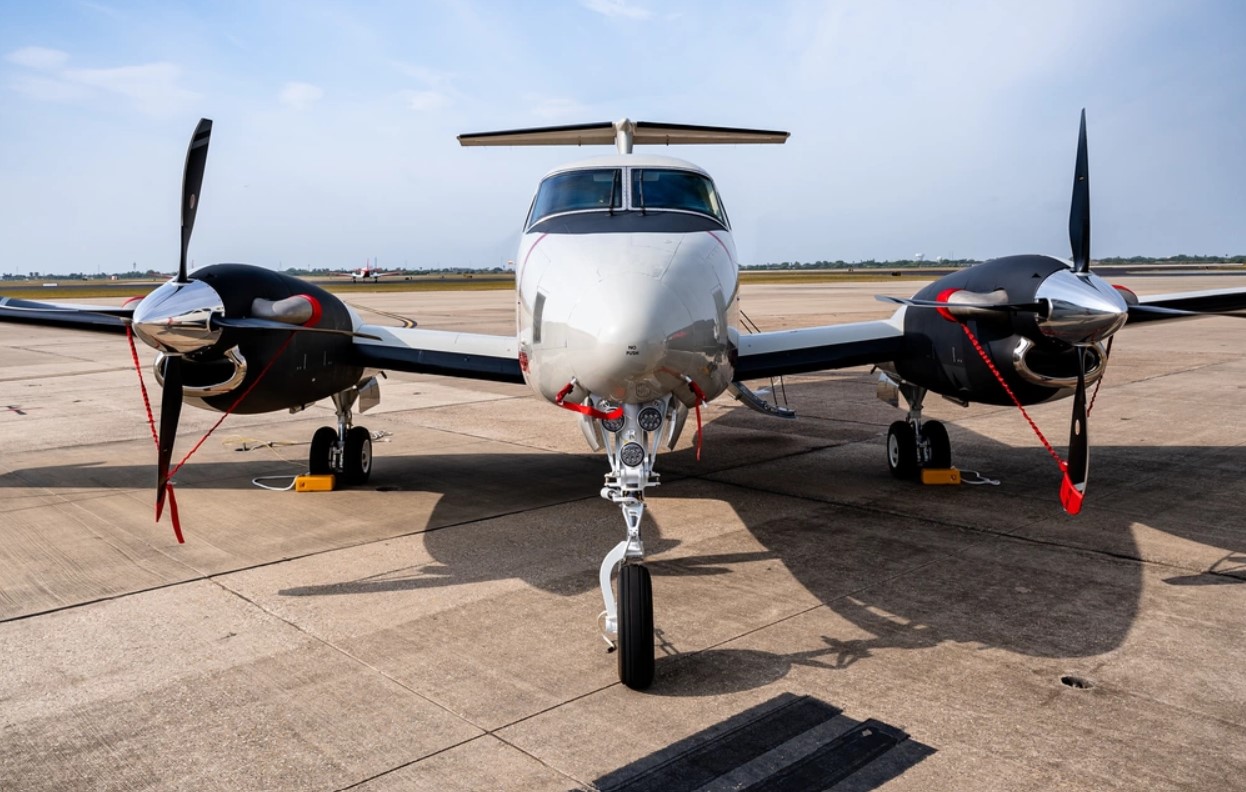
[[627, 304]]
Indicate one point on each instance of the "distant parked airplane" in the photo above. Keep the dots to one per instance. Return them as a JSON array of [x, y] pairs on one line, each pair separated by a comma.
[[365, 272]]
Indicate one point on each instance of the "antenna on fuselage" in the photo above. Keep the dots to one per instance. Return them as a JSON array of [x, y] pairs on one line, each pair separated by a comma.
[[624, 134]]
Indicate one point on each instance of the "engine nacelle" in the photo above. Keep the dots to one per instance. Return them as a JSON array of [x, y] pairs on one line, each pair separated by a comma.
[[292, 368], [941, 357]]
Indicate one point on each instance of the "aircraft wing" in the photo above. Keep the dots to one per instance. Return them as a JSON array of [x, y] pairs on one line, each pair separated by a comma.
[[806, 349], [421, 351], [417, 350], [102, 318]]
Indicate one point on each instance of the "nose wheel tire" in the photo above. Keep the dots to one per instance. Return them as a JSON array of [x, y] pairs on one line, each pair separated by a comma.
[[902, 450], [940, 446], [320, 459], [357, 456], [635, 626]]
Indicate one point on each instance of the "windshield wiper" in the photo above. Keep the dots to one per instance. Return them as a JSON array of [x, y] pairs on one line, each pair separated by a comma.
[[614, 183]]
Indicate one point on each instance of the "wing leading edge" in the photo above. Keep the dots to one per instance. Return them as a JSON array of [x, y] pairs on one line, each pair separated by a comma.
[[420, 351], [808, 349]]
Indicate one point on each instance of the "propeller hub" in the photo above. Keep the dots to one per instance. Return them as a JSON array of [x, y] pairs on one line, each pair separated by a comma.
[[176, 317], [1082, 308]]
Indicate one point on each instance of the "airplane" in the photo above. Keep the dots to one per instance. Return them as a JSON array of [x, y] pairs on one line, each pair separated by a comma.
[[365, 272], [627, 282]]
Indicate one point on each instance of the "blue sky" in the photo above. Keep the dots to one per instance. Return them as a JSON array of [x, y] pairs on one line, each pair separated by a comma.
[[939, 128]]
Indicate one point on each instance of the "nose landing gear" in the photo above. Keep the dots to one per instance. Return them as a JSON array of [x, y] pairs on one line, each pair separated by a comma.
[[631, 443]]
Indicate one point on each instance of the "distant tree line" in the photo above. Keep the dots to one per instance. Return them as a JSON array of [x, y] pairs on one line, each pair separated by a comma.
[[161, 276], [1180, 258], [841, 264], [328, 272]]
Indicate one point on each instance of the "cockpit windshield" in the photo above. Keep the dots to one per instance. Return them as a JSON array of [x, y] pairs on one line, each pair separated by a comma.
[[577, 191], [665, 188], [593, 192]]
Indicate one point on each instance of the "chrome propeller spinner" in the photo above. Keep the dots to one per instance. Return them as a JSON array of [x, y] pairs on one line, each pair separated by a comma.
[[176, 318], [1082, 308]]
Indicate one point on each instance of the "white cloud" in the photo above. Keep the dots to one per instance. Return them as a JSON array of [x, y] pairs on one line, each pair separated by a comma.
[[430, 77], [301, 95], [40, 58], [152, 87], [619, 9], [557, 108], [424, 101], [47, 89]]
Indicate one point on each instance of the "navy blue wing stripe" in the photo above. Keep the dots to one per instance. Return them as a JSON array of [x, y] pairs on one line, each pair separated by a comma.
[[818, 358], [450, 364]]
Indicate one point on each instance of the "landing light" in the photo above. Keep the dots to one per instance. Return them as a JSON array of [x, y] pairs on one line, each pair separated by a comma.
[[650, 419], [632, 455]]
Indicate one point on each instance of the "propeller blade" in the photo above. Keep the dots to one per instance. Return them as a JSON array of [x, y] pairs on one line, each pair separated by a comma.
[[253, 323], [192, 181], [1079, 211], [170, 411], [1160, 311], [1073, 488]]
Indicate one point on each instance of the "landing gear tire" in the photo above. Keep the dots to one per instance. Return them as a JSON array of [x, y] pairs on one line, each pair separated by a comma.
[[320, 459], [357, 456], [940, 446], [902, 450], [635, 626]]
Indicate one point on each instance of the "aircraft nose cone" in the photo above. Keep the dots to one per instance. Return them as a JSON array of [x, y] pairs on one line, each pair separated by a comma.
[[638, 319], [175, 318], [1082, 308]]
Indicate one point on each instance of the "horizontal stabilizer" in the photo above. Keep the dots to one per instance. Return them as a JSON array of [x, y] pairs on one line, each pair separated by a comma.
[[574, 135], [623, 133]]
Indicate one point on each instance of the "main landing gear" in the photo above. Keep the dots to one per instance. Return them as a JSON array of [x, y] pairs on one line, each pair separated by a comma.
[[346, 451], [913, 444], [631, 443]]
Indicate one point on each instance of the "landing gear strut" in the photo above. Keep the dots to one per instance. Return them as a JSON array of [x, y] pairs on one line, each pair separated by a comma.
[[631, 443], [913, 444], [346, 451]]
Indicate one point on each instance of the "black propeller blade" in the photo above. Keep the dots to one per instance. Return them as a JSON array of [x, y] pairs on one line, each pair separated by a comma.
[[171, 397], [170, 411], [192, 181], [1079, 211], [1161, 312], [1073, 489]]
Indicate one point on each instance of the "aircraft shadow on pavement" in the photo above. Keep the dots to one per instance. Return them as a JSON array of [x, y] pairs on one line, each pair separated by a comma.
[[1066, 589]]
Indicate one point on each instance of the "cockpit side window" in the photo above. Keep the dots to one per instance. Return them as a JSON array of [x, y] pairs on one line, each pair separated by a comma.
[[665, 188], [578, 191]]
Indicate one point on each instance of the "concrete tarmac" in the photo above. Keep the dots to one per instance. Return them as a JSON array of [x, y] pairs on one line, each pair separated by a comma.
[[817, 621]]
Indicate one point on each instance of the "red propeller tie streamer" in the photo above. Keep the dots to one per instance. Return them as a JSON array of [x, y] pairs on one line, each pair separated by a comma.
[[151, 422]]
